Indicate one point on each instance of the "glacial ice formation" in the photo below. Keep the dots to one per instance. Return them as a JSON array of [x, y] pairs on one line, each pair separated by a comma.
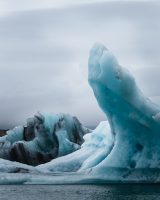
[[133, 118], [44, 138], [96, 147], [125, 148]]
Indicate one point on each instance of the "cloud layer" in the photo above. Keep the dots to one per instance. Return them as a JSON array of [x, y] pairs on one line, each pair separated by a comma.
[[44, 52]]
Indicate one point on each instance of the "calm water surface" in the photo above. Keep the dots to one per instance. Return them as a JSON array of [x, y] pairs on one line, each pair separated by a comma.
[[79, 192]]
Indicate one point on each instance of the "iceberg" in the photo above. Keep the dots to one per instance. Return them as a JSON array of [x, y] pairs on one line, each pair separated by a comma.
[[96, 147], [43, 138], [133, 118], [124, 148]]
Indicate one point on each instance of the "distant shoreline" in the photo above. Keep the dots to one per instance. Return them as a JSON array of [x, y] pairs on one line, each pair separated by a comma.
[[2, 132]]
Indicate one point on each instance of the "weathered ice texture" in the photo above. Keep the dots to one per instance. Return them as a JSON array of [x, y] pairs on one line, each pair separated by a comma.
[[45, 137], [125, 148], [134, 119], [96, 147]]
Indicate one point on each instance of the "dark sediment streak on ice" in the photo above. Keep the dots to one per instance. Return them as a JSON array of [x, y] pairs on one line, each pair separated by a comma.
[[44, 138]]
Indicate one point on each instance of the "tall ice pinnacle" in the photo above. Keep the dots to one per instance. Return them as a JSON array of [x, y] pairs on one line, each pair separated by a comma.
[[134, 119]]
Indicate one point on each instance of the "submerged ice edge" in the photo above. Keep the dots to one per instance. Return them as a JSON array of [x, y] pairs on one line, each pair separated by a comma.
[[113, 175]]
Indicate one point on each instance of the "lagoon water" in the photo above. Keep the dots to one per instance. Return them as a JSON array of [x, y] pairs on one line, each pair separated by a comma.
[[80, 192]]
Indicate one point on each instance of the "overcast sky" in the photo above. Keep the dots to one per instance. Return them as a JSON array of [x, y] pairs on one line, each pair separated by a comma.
[[44, 47]]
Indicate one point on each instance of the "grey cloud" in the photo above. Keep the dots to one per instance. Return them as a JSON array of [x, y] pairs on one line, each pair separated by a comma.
[[43, 56], [149, 79]]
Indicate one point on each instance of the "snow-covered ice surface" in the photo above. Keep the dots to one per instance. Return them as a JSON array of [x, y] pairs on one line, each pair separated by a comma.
[[125, 148]]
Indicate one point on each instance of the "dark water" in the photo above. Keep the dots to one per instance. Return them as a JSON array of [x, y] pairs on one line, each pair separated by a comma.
[[80, 192]]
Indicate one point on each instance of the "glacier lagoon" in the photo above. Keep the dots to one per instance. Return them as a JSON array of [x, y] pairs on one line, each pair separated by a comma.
[[123, 149], [81, 192]]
